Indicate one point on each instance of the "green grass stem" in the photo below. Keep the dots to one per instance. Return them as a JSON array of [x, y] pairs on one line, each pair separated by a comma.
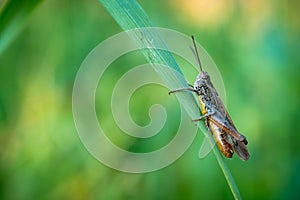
[[130, 15]]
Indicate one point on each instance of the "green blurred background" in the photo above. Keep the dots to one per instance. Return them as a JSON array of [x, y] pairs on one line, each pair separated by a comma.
[[255, 45]]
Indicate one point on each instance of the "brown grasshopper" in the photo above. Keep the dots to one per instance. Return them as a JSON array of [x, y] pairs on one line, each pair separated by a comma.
[[217, 119]]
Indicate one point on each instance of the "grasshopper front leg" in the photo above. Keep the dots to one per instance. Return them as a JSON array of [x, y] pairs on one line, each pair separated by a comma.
[[182, 89]]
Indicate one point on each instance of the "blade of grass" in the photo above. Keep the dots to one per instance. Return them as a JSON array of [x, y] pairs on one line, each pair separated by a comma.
[[129, 15], [13, 16]]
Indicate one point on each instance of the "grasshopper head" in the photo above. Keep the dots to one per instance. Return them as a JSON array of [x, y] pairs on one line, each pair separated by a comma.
[[201, 83]]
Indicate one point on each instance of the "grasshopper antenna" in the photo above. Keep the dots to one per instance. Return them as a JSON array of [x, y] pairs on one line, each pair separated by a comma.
[[196, 54]]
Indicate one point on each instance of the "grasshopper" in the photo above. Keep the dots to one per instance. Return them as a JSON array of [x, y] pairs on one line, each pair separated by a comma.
[[217, 119]]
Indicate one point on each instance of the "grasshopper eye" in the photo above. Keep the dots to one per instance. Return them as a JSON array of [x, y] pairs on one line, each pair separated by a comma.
[[196, 86]]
